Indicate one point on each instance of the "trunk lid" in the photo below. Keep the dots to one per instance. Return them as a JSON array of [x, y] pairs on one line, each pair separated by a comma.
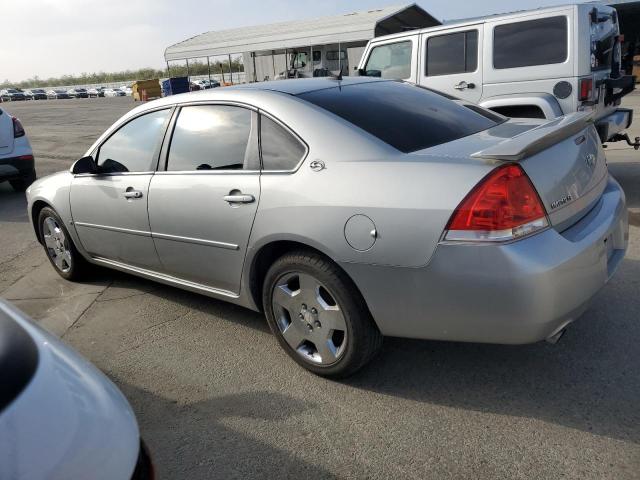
[[6, 133], [563, 158]]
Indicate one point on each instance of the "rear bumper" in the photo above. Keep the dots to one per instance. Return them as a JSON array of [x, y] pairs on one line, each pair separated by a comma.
[[614, 123], [15, 167], [515, 293]]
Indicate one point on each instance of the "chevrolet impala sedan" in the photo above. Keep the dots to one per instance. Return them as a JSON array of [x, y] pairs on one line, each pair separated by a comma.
[[347, 210]]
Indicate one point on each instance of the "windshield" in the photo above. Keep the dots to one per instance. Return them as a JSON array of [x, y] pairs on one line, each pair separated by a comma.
[[603, 42], [407, 117], [37, 90], [12, 90]]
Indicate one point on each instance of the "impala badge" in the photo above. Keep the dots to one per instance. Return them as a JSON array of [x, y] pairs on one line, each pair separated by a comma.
[[591, 160], [317, 165]]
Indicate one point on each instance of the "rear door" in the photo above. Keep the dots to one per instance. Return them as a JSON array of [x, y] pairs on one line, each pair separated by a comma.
[[6, 133], [201, 208], [452, 62]]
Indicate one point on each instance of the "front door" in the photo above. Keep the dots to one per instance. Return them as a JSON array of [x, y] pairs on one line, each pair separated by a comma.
[[202, 207], [452, 62], [109, 209]]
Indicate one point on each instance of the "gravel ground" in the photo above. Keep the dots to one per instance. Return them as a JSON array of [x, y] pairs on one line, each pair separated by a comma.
[[216, 397]]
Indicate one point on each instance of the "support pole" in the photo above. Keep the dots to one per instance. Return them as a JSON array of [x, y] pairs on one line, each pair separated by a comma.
[[311, 59], [273, 61], [168, 71], [188, 79], [230, 70], [209, 71], [255, 74]]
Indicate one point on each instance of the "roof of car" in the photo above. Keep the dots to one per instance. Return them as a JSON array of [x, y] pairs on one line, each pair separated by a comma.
[[304, 85]]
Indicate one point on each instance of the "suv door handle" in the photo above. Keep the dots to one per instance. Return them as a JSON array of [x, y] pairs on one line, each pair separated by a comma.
[[464, 85], [239, 198], [131, 193]]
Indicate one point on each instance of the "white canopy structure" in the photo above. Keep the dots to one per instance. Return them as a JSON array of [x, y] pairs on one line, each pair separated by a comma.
[[350, 27]]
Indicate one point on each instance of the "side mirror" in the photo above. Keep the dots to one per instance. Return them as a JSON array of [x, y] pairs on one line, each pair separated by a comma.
[[85, 165]]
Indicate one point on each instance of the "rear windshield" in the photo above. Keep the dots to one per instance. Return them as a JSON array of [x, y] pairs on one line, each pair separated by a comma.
[[603, 40], [407, 117]]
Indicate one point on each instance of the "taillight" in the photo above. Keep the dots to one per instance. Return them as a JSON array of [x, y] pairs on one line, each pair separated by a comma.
[[586, 89], [502, 207], [18, 129]]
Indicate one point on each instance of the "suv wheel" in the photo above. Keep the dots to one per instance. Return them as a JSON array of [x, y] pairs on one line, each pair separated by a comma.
[[21, 184]]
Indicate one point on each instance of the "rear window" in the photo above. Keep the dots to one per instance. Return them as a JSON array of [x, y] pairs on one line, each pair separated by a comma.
[[407, 117], [533, 42], [603, 40]]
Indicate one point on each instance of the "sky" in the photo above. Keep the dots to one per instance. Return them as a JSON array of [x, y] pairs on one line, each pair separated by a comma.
[[56, 37]]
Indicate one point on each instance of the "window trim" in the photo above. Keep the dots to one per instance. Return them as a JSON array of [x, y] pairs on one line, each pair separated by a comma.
[[464, 72], [156, 153], [162, 168], [410, 40], [288, 129], [567, 41]]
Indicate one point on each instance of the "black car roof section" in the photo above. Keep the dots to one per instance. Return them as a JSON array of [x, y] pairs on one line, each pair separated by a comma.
[[18, 359]]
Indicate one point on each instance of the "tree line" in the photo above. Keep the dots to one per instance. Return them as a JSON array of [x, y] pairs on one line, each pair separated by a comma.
[[195, 68]]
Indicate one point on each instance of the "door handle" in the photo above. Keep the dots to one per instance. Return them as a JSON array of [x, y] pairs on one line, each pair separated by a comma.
[[464, 85], [130, 193], [239, 198]]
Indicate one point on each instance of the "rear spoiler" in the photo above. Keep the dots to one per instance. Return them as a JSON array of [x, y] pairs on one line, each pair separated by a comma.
[[537, 139]]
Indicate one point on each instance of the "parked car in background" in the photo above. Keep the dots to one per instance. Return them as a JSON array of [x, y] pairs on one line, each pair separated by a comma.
[[11, 95], [16, 156], [60, 417], [113, 92], [541, 63], [95, 92], [206, 84], [446, 221], [36, 94], [78, 93], [127, 90], [55, 94]]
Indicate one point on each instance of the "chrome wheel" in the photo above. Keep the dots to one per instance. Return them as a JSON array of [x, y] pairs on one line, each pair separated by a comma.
[[57, 244], [309, 318]]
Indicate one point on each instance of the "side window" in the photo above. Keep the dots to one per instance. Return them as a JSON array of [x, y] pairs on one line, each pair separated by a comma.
[[391, 61], [132, 148], [213, 137], [452, 53], [533, 42], [280, 149]]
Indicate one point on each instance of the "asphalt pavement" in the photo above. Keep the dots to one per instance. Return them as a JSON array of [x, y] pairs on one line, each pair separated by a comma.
[[216, 397]]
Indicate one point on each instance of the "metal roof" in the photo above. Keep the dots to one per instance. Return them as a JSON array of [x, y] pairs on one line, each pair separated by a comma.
[[349, 27]]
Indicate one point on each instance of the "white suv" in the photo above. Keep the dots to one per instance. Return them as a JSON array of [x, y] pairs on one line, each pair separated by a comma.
[[539, 63], [16, 156]]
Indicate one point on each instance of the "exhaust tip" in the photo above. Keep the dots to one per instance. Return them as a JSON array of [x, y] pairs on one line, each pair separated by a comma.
[[555, 338]]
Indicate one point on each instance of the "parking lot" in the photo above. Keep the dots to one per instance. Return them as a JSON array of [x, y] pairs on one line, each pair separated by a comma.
[[216, 397]]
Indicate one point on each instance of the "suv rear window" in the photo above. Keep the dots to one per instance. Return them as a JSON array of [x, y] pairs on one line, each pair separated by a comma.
[[407, 117], [533, 42]]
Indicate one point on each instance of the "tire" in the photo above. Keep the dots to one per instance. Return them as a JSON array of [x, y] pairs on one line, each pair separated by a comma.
[[73, 267], [318, 316], [21, 184]]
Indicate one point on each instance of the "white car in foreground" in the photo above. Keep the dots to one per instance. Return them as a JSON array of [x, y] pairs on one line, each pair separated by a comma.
[[60, 417], [16, 155]]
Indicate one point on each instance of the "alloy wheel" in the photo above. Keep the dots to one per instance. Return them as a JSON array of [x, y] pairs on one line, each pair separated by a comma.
[[309, 318], [57, 244]]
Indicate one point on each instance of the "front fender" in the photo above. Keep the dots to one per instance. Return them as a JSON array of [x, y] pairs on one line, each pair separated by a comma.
[[53, 190]]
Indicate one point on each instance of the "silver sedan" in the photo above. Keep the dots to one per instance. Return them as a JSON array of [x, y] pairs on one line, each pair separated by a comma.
[[347, 210]]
